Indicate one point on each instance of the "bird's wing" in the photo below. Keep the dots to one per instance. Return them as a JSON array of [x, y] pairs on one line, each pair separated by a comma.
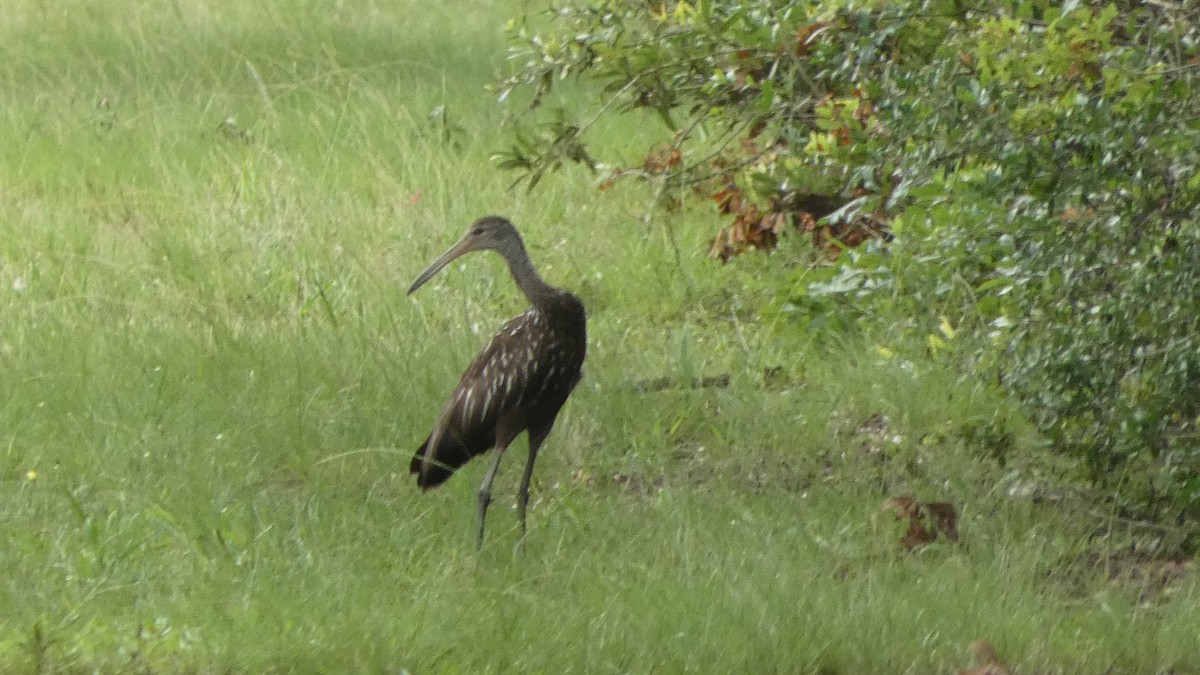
[[510, 371], [496, 382], [522, 377]]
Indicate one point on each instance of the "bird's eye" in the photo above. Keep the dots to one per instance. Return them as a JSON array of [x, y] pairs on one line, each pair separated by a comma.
[[475, 232]]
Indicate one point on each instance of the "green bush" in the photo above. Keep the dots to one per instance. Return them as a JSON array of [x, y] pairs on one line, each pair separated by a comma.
[[1033, 164], [1066, 231]]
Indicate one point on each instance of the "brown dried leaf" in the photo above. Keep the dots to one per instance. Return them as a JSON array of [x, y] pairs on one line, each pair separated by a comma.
[[728, 200], [721, 247], [804, 36], [661, 159], [806, 222], [864, 111], [773, 222], [985, 655], [945, 518], [925, 520]]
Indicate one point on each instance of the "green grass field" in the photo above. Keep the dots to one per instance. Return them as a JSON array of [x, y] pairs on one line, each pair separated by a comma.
[[212, 382]]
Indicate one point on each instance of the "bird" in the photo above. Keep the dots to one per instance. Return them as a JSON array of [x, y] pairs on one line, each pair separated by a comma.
[[517, 383]]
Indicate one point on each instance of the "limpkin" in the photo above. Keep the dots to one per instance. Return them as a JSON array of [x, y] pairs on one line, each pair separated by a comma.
[[517, 383]]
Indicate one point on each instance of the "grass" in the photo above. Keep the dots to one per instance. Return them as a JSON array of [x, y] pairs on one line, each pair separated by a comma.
[[213, 380]]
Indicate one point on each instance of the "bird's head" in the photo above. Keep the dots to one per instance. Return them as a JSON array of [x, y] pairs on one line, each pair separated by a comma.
[[494, 233]]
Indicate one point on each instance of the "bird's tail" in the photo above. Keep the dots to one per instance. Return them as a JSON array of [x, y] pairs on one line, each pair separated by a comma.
[[436, 467]]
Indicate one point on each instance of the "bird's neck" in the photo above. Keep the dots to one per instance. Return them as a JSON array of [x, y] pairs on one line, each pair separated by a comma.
[[540, 294]]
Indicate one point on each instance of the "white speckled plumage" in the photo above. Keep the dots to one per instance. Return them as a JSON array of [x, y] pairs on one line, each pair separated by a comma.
[[518, 382]]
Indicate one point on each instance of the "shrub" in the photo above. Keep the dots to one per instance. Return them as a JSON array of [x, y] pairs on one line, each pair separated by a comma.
[[1032, 163]]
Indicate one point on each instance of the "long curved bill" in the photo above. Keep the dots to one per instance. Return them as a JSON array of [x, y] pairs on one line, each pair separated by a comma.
[[463, 246]]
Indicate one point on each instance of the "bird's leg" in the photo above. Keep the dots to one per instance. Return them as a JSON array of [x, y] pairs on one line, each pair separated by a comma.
[[485, 489], [535, 442]]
